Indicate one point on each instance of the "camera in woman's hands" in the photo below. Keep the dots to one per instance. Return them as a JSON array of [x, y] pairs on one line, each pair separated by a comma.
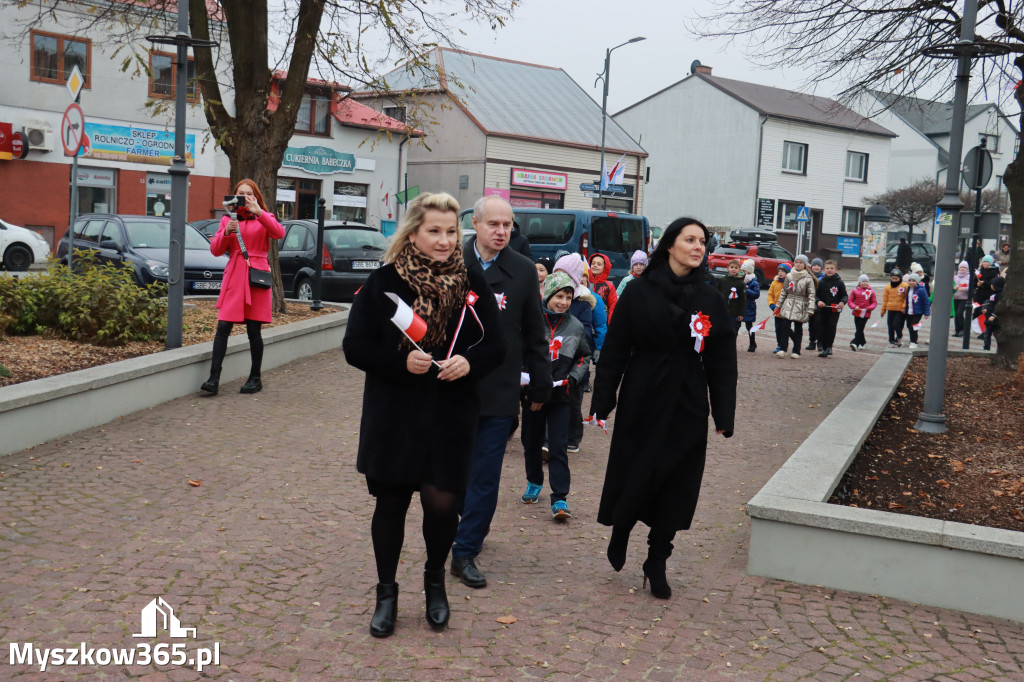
[[234, 201]]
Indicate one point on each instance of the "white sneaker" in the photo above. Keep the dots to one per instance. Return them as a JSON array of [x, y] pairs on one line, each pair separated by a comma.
[[780, 354], [795, 356], [913, 345]]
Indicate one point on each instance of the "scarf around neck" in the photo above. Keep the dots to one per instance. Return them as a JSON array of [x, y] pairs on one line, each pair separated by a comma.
[[440, 288]]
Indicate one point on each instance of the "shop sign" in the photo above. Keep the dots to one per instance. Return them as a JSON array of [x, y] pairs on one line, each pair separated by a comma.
[[496, 192], [766, 213], [158, 183], [523, 177], [133, 144], [850, 246], [319, 160], [6, 133], [95, 177]]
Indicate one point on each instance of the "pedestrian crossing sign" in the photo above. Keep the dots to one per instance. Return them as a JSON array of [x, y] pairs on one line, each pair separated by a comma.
[[803, 214]]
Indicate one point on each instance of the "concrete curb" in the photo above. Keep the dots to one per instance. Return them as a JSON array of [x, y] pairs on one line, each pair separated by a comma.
[[796, 535], [34, 412]]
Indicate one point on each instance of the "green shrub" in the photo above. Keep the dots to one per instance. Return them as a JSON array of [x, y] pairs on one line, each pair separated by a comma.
[[99, 303]]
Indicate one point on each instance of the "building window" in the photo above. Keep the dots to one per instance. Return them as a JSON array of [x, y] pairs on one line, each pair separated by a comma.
[[787, 214], [314, 115], [856, 166], [349, 202], [853, 220], [397, 113], [989, 141], [794, 157], [162, 77], [54, 57]]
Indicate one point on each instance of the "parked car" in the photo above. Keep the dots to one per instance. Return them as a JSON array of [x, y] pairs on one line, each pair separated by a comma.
[[351, 251], [550, 230], [207, 227], [766, 257], [922, 252], [749, 235], [20, 247], [143, 244]]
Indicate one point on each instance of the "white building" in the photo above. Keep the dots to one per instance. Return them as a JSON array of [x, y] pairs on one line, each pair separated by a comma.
[[736, 154]]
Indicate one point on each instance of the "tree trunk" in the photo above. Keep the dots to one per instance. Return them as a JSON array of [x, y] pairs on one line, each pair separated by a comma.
[[1010, 310]]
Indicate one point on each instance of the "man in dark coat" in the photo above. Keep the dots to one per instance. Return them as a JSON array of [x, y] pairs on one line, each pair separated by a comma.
[[517, 242], [513, 278], [904, 256]]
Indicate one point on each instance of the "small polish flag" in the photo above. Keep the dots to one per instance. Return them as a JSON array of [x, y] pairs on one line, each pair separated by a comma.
[[406, 319], [592, 420], [759, 326], [978, 324], [917, 327], [876, 323]]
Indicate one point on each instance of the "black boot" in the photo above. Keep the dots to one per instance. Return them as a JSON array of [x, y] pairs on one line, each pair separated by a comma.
[[659, 545], [617, 546], [213, 383], [253, 385], [383, 622], [252, 330], [752, 347], [437, 599]]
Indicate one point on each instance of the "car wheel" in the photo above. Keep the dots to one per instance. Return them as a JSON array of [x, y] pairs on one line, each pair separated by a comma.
[[304, 289], [762, 282], [17, 258]]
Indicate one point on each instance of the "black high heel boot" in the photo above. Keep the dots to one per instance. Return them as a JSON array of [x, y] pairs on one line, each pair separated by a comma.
[[437, 599], [659, 549], [212, 384], [618, 545], [252, 330], [220, 349], [383, 622]]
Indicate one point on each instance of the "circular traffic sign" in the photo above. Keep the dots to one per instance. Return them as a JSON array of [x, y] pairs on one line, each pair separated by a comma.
[[977, 168], [18, 147], [72, 129]]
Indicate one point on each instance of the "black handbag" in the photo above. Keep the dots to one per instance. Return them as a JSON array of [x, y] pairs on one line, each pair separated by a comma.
[[261, 279]]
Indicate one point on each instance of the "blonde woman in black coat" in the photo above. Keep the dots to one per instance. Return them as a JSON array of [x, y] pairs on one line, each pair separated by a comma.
[[420, 406], [670, 345]]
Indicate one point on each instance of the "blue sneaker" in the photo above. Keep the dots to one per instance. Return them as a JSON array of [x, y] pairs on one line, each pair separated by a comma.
[[532, 493], [560, 511]]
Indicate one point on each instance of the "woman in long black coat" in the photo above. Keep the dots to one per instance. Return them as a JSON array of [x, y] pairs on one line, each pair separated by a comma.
[[670, 345], [420, 406]]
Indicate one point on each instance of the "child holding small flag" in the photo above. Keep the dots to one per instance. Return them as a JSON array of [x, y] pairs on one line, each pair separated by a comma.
[[988, 318], [918, 306], [570, 358], [831, 299], [862, 302], [735, 291], [753, 293], [773, 299], [894, 303]]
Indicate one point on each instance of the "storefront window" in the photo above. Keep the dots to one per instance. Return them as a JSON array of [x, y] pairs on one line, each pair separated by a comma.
[[285, 198], [349, 202], [519, 198], [97, 190]]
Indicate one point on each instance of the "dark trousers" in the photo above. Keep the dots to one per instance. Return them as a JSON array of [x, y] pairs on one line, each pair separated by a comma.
[[911, 321], [858, 335], [780, 337], [826, 321], [575, 415], [790, 330], [554, 416], [482, 488], [894, 320], [958, 314], [812, 331], [991, 329]]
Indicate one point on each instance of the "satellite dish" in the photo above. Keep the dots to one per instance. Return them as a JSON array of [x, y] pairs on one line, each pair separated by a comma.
[[693, 66]]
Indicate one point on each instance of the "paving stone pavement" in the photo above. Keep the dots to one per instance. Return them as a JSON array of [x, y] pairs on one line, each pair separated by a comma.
[[270, 560]]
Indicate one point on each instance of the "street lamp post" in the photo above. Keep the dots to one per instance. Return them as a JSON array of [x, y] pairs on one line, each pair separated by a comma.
[[603, 77]]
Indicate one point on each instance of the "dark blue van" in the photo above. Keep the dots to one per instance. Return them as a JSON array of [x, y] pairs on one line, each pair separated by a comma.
[[550, 230]]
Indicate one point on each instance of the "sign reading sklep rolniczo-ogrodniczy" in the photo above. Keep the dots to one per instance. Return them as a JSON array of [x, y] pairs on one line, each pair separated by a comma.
[[319, 160]]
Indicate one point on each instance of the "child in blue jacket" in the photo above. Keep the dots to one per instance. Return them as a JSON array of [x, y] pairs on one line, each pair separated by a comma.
[[918, 305]]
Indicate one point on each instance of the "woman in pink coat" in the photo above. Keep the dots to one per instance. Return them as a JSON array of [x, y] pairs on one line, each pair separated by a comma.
[[238, 302]]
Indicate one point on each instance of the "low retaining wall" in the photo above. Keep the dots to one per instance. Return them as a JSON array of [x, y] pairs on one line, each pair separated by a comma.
[[796, 535], [37, 411]]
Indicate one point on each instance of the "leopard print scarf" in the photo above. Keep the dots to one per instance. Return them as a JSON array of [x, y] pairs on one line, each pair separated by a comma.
[[440, 288]]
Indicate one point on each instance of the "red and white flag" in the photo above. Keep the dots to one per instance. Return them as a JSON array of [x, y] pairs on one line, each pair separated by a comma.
[[471, 298], [406, 319], [877, 322], [917, 327], [760, 325], [592, 420], [524, 380], [978, 324]]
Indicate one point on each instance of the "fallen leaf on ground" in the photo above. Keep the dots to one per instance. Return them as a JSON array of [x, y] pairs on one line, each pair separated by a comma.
[[506, 620], [194, 483]]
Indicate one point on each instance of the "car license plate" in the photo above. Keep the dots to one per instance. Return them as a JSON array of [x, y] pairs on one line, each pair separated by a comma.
[[365, 264], [206, 285]]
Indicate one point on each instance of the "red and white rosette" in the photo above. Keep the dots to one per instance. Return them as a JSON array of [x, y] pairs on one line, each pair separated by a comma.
[[700, 327]]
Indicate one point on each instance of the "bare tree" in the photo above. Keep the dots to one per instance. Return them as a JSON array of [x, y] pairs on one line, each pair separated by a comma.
[[910, 205], [884, 44], [340, 41]]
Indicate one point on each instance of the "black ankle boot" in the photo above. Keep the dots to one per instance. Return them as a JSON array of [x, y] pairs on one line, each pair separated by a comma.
[[654, 570], [253, 385], [383, 622], [437, 599], [752, 347], [617, 547], [213, 383]]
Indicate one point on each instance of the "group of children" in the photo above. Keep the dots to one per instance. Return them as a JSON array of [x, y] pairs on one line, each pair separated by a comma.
[[578, 301]]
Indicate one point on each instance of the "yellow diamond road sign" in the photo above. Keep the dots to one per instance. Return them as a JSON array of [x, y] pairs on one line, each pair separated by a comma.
[[75, 82]]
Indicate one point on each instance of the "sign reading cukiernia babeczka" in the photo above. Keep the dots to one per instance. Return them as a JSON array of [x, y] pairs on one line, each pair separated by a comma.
[[319, 160]]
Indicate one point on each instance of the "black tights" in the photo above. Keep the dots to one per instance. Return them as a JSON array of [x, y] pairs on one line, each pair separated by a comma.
[[440, 522], [220, 345]]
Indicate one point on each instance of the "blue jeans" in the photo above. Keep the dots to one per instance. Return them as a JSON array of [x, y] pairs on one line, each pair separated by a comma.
[[482, 488]]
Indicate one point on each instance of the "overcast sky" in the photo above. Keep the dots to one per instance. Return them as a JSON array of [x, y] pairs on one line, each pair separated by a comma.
[[573, 35]]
